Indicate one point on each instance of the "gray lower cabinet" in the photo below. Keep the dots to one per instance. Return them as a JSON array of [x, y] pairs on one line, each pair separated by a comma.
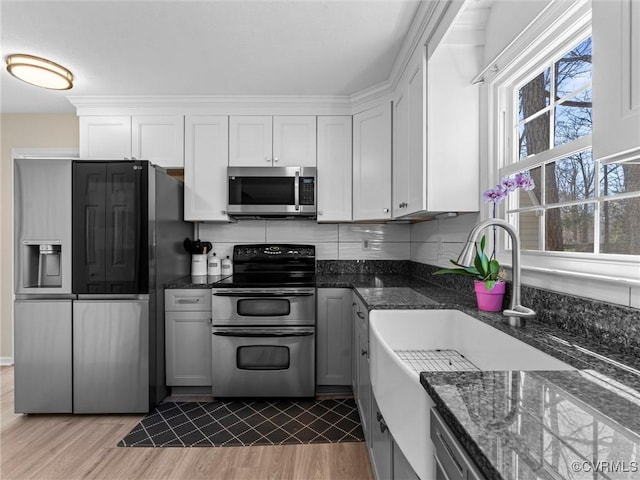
[[43, 358], [188, 337], [333, 345], [381, 445], [387, 461], [111, 356], [362, 380]]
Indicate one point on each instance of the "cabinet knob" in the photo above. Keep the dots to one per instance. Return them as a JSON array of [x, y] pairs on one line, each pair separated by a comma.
[[275, 159], [386, 210], [319, 212], [267, 159], [363, 352]]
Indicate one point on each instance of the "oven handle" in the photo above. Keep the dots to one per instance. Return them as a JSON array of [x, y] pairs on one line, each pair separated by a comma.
[[263, 294], [263, 334]]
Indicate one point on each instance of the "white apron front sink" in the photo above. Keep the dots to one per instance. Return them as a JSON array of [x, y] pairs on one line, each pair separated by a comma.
[[401, 398]]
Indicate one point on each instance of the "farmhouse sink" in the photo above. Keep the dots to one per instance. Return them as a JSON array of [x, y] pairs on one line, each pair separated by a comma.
[[442, 340]]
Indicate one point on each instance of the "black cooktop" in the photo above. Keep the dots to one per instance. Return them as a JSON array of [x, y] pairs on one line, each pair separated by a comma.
[[272, 265]]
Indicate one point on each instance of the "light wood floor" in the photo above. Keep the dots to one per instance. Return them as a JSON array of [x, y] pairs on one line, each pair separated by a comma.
[[70, 447]]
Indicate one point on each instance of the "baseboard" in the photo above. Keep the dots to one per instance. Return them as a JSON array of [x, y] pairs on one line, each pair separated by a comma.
[[6, 361]]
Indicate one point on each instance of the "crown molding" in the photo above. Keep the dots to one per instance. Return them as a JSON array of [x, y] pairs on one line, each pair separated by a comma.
[[212, 104]]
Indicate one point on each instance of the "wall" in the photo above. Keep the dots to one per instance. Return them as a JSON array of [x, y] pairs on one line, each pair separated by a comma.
[[22, 131], [332, 241]]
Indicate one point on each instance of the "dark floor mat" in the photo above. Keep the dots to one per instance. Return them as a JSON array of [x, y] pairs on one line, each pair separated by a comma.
[[243, 423]]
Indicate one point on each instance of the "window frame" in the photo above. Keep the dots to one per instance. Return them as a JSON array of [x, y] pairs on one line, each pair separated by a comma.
[[542, 43]]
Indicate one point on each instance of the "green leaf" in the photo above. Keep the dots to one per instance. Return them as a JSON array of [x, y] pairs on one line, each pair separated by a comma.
[[489, 284], [494, 269], [483, 242]]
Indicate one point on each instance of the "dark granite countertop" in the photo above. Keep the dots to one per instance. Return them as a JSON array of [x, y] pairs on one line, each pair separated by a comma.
[[554, 419], [541, 425]]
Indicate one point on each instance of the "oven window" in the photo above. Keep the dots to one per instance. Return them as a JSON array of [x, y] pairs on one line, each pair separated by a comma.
[[263, 307], [261, 191], [262, 357]]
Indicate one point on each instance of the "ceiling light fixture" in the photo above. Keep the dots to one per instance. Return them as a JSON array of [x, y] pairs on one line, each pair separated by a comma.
[[39, 71]]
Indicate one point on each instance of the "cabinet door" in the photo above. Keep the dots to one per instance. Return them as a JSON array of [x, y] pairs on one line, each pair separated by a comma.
[[105, 137], [400, 154], [616, 79], [159, 139], [206, 156], [43, 356], [250, 141], [188, 353], [381, 444], [294, 141], [417, 158], [372, 164], [333, 343], [363, 386], [334, 168]]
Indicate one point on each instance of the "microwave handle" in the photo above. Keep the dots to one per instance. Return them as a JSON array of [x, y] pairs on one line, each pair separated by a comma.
[[296, 188]]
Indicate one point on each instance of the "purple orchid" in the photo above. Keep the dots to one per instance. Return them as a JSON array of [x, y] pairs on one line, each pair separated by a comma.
[[495, 195], [509, 184], [525, 182]]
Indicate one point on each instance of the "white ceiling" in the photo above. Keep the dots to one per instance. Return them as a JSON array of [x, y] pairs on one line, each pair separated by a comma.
[[207, 47]]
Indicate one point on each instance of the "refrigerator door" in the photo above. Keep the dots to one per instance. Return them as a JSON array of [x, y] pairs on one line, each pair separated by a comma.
[[42, 356], [42, 226], [110, 227], [111, 356]]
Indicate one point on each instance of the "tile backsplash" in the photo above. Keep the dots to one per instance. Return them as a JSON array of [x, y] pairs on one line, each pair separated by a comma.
[[332, 241]]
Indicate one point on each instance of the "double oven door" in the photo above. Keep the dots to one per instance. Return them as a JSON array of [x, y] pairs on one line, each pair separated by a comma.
[[263, 342]]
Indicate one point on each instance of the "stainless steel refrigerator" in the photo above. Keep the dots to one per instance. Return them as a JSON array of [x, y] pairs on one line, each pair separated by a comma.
[[94, 242]]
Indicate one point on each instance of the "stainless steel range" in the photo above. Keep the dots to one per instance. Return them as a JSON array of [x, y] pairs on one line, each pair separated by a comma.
[[264, 323]]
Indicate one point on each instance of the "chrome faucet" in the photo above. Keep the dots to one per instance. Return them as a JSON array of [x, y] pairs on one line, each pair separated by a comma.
[[516, 313]]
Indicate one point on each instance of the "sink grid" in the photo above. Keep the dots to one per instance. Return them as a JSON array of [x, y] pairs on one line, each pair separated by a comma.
[[435, 360]]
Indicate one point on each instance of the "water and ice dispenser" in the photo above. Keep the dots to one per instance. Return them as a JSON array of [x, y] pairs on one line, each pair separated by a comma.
[[42, 264]]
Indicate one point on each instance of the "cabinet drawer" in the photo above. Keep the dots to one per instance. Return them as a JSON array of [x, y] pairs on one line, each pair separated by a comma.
[[187, 299]]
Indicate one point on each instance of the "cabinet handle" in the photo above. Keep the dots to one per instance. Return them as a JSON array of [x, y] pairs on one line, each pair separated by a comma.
[[360, 315], [187, 300], [383, 424], [363, 352]]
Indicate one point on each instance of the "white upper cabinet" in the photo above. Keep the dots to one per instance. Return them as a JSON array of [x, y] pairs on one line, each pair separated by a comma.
[[250, 141], [409, 159], [280, 141], [206, 153], [452, 131], [400, 153], [436, 160], [105, 137], [334, 168], [616, 79], [372, 164], [294, 141], [157, 138]]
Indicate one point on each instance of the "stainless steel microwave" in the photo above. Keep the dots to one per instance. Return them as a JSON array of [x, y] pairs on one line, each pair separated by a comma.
[[271, 191]]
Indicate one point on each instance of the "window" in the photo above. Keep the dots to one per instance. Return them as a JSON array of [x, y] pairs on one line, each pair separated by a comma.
[[579, 205]]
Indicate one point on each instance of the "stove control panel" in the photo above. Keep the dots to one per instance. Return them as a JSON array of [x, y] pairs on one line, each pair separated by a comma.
[[256, 252]]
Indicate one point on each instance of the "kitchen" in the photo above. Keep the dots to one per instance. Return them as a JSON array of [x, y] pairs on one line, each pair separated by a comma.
[[477, 51]]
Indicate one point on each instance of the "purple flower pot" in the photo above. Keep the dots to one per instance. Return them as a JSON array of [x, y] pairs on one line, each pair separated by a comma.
[[489, 300]]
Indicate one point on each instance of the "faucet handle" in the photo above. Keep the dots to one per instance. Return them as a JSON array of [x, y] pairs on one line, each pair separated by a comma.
[[519, 311]]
